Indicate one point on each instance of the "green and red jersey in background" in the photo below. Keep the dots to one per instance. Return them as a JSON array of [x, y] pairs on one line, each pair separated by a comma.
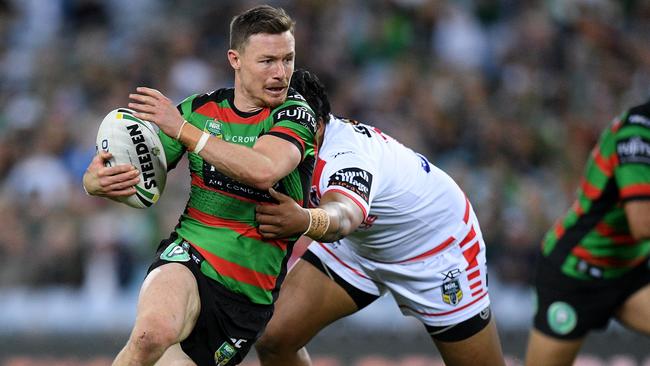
[[219, 219], [593, 239]]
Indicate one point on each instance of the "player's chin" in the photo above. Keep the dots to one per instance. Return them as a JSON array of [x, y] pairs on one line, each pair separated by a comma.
[[274, 98]]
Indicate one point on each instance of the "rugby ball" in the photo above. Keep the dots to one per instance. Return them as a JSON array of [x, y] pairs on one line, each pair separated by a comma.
[[136, 142]]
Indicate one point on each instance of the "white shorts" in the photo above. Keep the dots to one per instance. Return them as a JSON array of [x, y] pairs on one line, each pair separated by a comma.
[[446, 288]]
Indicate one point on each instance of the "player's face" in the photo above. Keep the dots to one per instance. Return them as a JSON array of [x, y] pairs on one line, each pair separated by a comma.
[[264, 68]]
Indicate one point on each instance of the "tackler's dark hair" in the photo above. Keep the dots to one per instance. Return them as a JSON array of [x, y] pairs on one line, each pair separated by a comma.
[[309, 86]]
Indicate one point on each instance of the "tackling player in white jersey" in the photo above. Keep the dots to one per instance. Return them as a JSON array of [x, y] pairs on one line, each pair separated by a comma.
[[384, 220]]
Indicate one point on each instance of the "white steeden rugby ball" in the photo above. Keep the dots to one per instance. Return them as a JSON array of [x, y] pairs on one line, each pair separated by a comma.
[[134, 141]]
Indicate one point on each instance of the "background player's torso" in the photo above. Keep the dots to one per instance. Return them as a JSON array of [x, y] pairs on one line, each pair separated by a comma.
[[593, 240]]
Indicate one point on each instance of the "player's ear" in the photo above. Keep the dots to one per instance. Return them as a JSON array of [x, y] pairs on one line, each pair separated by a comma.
[[234, 59]]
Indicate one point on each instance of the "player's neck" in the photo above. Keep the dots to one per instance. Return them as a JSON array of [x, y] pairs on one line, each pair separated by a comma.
[[243, 101]]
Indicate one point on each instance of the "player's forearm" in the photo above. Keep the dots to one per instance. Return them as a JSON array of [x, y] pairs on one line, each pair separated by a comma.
[[330, 222], [236, 161]]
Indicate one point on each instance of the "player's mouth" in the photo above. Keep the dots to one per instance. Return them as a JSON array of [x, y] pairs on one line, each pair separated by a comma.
[[276, 91]]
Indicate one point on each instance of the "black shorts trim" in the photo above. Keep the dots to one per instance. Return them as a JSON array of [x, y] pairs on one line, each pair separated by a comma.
[[228, 324], [461, 331], [569, 308], [360, 297]]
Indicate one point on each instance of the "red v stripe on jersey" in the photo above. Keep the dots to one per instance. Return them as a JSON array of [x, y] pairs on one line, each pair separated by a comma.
[[241, 228], [213, 110], [606, 165], [589, 190], [237, 272]]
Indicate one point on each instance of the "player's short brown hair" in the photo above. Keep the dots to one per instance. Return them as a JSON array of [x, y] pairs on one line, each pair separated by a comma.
[[260, 19]]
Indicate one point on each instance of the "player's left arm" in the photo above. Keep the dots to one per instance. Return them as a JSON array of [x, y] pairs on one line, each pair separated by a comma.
[[336, 217]]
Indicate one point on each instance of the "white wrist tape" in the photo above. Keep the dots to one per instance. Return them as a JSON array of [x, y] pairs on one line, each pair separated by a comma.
[[202, 142]]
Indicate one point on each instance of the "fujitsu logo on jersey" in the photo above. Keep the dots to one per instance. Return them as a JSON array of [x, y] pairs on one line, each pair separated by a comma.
[[633, 150], [356, 180], [297, 114]]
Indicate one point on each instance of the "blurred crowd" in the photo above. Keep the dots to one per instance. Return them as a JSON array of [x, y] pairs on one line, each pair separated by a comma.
[[507, 96]]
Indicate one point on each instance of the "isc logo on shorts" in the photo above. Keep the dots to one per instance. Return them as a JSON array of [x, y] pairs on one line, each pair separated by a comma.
[[451, 292]]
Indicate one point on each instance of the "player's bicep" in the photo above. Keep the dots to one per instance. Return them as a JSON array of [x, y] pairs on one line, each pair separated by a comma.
[[283, 154], [638, 218]]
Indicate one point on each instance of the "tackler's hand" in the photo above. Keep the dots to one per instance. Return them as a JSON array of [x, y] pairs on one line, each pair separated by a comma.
[[282, 220]]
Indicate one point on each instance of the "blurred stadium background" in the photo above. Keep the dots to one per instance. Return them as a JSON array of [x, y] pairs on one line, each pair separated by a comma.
[[507, 96]]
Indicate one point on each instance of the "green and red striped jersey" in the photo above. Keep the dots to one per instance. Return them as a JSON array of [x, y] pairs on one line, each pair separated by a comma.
[[219, 219], [593, 239]]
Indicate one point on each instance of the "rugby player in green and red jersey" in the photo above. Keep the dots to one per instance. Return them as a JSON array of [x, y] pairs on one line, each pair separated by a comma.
[[210, 291], [594, 264]]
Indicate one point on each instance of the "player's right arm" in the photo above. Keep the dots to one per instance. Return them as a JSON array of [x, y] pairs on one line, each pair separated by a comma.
[[632, 172], [109, 182], [638, 219], [336, 217]]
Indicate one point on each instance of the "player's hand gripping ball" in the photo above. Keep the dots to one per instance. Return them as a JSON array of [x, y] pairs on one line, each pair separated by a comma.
[[136, 142]]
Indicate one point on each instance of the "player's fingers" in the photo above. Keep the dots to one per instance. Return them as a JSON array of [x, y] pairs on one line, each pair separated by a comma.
[[265, 219], [143, 99], [278, 196], [121, 193], [103, 155], [142, 107], [145, 116], [263, 209], [120, 185], [156, 94], [117, 170], [117, 178], [267, 231]]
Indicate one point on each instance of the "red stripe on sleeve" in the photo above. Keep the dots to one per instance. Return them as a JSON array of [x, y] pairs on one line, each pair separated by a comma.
[[635, 190]]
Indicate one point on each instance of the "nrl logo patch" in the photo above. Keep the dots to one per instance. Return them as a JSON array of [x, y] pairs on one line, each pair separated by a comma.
[[224, 354], [214, 127], [451, 292]]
